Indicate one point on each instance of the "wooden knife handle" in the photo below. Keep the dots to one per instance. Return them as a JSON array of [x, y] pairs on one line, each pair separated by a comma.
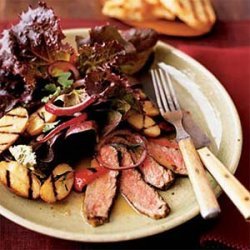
[[205, 196], [239, 195]]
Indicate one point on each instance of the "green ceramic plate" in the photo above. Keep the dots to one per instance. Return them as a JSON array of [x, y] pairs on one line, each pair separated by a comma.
[[201, 93]]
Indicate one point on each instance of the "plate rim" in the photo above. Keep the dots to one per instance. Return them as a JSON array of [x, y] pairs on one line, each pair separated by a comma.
[[136, 234]]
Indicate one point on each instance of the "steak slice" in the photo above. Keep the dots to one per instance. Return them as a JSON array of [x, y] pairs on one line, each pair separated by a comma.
[[156, 175], [100, 194], [169, 157], [139, 194]]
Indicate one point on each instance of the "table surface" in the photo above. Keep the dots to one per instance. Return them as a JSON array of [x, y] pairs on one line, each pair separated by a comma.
[[227, 10]]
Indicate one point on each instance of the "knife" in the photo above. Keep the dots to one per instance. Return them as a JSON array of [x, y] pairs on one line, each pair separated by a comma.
[[238, 194]]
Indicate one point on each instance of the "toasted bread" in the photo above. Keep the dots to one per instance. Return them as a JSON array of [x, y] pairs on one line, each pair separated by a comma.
[[198, 14], [136, 10]]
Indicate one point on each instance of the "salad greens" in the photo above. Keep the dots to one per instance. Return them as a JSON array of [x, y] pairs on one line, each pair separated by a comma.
[[37, 68]]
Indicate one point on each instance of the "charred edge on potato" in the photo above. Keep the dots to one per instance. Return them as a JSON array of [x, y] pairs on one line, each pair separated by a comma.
[[16, 115], [7, 176], [53, 185], [30, 190], [144, 123], [41, 116]]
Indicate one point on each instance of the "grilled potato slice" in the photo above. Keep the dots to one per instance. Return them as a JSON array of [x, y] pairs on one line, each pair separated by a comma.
[[150, 109], [135, 119], [19, 179], [148, 122], [144, 123], [11, 126], [37, 121], [153, 131], [58, 185]]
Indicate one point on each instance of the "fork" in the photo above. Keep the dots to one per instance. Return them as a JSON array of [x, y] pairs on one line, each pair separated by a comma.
[[170, 110]]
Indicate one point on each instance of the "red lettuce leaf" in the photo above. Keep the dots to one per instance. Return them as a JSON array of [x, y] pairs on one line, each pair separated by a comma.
[[105, 83], [99, 55], [26, 50], [109, 33], [142, 39], [136, 45]]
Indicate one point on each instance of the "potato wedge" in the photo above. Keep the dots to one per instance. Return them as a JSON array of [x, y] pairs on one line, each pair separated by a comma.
[[135, 119], [19, 179], [58, 185], [144, 123], [37, 121], [153, 131], [148, 122], [150, 109], [12, 125]]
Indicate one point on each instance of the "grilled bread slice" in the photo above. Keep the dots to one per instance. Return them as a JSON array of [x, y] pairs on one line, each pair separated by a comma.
[[19, 179], [11, 126], [198, 14], [59, 184], [138, 10], [38, 120]]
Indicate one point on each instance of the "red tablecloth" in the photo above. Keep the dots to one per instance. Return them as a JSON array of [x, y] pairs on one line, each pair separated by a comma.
[[226, 53]]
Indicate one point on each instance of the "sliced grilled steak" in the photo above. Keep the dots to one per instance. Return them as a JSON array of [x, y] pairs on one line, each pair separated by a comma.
[[169, 157], [139, 194], [156, 175], [100, 194]]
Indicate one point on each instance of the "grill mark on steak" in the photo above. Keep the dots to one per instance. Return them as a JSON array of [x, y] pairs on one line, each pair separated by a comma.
[[155, 174], [139, 194], [99, 197]]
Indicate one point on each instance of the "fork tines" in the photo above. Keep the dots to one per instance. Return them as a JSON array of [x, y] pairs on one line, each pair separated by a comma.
[[164, 91]]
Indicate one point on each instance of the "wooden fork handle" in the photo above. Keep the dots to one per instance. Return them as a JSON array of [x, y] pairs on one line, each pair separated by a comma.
[[239, 195], [205, 196]]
